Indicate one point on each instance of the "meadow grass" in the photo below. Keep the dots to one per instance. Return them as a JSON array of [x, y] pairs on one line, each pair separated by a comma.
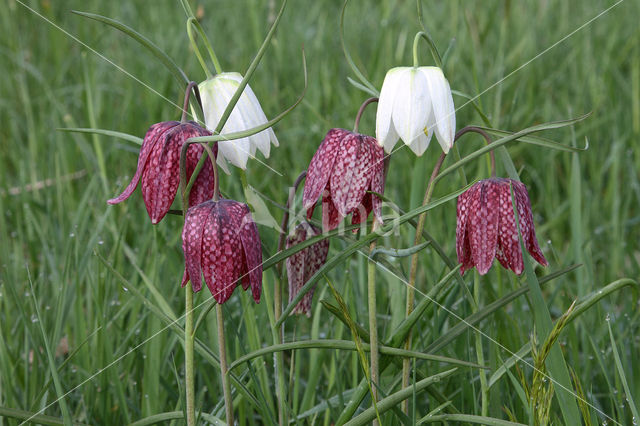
[[105, 282]]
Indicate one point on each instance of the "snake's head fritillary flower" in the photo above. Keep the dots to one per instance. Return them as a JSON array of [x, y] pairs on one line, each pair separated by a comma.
[[216, 93], [221, 243], [159, 168], [344, 168], [414, 103], [304, 264], [486, 226]]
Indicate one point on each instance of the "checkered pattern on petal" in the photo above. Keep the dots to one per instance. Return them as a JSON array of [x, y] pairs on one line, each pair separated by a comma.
[[221, 253], [508, 234], [304, 264], [483, 225], [377, 175], [252, 272], [331, 217], [151, 138], [192, 243], [321, 166], [526, 220], [202, 189], [463, 248], [350, 178]]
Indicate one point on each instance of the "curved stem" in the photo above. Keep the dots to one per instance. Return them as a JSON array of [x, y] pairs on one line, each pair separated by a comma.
[[361, 111], [284, 225], [413, 273], [432, 46], [226, 387], [487, 139], [187, 94], [196, 50], [216, 182], [373, 321]]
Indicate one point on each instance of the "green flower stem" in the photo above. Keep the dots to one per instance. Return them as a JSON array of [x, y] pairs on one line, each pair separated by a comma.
[[228, 402], [192, 85], [373, 322], [412, 277], [188, 357], [479, 352], [278, 332], [432, 46], [435, 176], [361, 111], [192, 23]]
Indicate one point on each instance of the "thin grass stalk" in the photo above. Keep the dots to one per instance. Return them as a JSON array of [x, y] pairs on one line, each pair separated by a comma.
[[484, 389], [373, 321], [226, 387], [412, 277], [278, 333]]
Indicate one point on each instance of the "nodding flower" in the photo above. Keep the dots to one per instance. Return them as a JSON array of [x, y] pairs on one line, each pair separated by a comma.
[[216, 93], [159, 168], [344, 168], [415, 103], [221, 243], [486, 226], [304, 264]]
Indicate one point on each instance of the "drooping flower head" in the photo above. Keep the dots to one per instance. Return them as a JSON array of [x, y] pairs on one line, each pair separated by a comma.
[[343, 169], [221, 243], [304, 264], [486, 226], [216, 93], [414, 103], [159, 168]]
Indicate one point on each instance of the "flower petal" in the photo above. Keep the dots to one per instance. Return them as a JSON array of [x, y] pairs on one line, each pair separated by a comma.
[[330, 216], [463, 249], [443, 109], [221, 249], [526, 223], [153, 135], [192, 232], [350, 175], [420, 144], [377, 177], [484, 221], [321, 167], [252, 252], [508, 234], [385, 131], [411, 107]]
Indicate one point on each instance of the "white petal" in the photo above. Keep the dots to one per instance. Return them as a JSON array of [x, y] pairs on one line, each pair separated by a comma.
[[263, 138], [420, 144], [442, 104], [385, 131], [411, 106]]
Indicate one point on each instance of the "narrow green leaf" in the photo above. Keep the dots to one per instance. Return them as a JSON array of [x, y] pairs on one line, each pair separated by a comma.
[[535, 140], [176, 415], [502, 141], [555, 362], [623, 376], [468, 418], [395, 398], [398, 252], [148, 44], [112, 133], [33, 417], [347, 345]]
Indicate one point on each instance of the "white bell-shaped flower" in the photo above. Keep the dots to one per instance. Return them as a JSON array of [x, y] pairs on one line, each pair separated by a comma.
[[216, 93], [414, 103]]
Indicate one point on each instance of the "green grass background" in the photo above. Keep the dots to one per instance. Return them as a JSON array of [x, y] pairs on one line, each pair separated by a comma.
[[124, 364]]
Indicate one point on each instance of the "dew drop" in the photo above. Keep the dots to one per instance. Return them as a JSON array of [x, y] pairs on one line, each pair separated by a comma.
[[34, 318], [100, 242], [72, 235], [124, 288], [607, 318]]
